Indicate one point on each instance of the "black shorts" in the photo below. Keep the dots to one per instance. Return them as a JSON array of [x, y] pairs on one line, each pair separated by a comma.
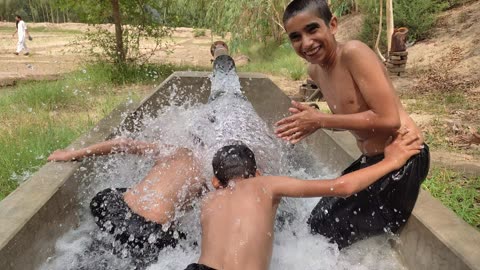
[[196, 266], [140, 237], [385, 206]]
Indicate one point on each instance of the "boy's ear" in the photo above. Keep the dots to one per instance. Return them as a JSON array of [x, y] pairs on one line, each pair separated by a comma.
[[333, 25], [216, 183]]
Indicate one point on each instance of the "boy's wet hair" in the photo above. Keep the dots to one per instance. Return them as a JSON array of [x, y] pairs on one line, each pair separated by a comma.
[[233, 161], [319, 7]]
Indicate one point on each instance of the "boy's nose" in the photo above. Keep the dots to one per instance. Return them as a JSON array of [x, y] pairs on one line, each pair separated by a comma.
[[306, 43]]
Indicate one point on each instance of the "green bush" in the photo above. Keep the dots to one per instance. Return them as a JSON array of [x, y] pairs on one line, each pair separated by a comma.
[[272, 58], [419, 16]]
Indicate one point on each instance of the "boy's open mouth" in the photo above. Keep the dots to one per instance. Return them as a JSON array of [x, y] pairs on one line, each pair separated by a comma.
[[312, 51]]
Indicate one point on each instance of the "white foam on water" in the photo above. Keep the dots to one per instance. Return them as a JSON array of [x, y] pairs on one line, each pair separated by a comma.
[[204, 128]]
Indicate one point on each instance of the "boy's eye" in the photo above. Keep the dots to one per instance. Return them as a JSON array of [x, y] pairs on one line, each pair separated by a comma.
[[294, 37], [312, 28]]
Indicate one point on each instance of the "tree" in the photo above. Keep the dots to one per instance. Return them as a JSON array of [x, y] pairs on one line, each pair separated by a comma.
[[134, 21], [117, 20]]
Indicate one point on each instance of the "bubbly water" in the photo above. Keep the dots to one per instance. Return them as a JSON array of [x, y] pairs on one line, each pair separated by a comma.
[[204, 128]]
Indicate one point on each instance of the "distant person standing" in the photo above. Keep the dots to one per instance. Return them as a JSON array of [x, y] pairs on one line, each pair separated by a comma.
[[22, 31]]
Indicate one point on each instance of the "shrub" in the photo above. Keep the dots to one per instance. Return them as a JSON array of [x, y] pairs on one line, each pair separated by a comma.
[[419, 16], [199, 32]]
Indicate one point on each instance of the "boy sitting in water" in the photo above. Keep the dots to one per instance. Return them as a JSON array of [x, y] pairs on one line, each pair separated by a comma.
[[238, 218], [362, 98], [135, 215]]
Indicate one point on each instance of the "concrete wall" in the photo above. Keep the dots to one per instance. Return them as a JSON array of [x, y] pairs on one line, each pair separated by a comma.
[[43, 208]]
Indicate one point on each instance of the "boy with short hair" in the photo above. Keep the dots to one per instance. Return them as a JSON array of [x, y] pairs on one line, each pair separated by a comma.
[[238, 218], [362, 99]]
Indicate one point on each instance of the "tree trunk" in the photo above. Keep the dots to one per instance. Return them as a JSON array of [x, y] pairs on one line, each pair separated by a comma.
[[52, 14], [117, 20], [389, 9]]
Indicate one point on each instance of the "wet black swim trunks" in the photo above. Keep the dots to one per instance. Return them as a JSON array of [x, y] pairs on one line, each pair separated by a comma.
[[196, 266], [385, 206], [140, 237]]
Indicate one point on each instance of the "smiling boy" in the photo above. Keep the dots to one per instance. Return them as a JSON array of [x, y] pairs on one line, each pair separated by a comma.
[[362, 99]]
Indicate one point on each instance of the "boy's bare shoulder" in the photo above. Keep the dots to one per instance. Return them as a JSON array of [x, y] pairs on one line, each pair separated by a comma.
[[353, 49]]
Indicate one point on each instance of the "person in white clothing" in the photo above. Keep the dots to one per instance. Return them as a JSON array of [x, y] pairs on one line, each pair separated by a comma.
[[23, 33]]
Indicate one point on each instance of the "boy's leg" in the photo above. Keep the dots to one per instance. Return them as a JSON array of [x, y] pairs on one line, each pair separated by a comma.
[[19, 46], [141, 237], [383, 206], [347, 220], [25, 48]]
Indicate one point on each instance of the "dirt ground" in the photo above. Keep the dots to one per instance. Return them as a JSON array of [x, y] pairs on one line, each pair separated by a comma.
[[453, 50]]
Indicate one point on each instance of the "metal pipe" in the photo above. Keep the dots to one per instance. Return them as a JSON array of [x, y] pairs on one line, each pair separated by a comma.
[[219, 48], [222, 62]]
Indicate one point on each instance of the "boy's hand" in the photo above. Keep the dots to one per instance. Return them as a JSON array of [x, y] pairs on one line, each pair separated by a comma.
[[62, 155], [304, 121], [405, 145]]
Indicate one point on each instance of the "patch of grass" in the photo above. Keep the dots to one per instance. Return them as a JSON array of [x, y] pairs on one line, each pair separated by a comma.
[[39, 117], [25, 149], [442, 104], [132, 74], [272, 58], [457, 106], [199, 32], [42, 29], [456, 191]]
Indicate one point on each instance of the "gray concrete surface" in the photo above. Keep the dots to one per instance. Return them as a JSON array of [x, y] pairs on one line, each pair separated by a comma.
[[42, 209]]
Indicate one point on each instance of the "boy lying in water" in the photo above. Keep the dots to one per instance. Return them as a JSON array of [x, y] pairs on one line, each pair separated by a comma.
[[135, 215], [238, 218]]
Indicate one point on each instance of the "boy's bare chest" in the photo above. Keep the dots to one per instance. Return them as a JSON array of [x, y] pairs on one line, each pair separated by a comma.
[[341, 93]]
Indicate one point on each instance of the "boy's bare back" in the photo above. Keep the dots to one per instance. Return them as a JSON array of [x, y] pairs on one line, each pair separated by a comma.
[[237, 226]]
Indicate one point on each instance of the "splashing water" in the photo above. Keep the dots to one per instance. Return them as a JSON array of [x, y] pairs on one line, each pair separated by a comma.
[[204, 128]]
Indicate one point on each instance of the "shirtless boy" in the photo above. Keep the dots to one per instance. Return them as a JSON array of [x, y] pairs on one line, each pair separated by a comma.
[[358, 91], [135, 215], [238, 218]]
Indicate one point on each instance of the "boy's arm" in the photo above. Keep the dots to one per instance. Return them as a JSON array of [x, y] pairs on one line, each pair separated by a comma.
[[104, 148], [369, 75], [396, 155]]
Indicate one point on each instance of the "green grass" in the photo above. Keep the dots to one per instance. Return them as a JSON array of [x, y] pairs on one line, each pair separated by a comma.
[[272, 58], [458, 192], [199, 32], [442, 103], [42, 29], [39, 117]]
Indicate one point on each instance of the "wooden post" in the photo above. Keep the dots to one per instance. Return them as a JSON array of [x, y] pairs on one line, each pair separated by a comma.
[[390, 27], [377, 50]]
